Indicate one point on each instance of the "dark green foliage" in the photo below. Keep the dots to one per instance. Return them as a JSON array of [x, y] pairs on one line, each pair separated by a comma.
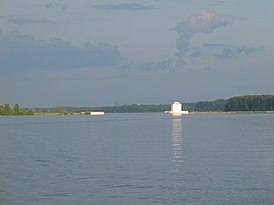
[[27, 112], [206, 106], [110, 109], [16, 109], [6, 110], [250, 103], [132, 108]]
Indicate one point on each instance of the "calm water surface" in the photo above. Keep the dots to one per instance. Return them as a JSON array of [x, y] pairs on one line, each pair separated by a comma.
[[133, 159]]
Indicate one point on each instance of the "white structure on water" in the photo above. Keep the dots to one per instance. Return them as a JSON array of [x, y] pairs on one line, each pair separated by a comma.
[[176, 109], [97, 113]]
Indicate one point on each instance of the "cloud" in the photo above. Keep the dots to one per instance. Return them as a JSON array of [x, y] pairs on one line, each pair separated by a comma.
[[52, 5], [196, 54], [226, 51], [233, 53], [217, 3], [209, 56], [165, 64], [203, 22], [22, 21], [20, 52], [123, 7]]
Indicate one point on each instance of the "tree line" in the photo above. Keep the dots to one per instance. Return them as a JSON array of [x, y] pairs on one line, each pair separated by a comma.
[[107, 109], [238, 103], [250, 103], [8, 111], [206, 106]]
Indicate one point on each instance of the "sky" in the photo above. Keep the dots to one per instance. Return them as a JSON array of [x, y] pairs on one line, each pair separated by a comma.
[[106, 52]]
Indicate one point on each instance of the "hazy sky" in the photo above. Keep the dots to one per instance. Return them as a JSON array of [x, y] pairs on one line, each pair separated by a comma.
[[106, 52]]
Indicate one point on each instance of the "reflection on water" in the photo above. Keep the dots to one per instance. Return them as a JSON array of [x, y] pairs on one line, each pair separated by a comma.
[[134, 159], [177, 141]]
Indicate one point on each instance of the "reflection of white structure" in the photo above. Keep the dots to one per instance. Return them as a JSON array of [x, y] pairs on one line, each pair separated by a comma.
[[176, 109], [177, 142]]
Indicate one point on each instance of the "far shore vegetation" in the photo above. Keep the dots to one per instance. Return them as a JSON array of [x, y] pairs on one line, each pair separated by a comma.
[[240, 104], [8, 111]]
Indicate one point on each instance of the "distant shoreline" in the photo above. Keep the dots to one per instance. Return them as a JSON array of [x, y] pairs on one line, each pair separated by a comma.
[[249, 104], [190, 113], [235, 112]]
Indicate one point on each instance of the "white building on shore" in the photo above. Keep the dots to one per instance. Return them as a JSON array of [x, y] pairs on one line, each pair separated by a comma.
[[176, 109]]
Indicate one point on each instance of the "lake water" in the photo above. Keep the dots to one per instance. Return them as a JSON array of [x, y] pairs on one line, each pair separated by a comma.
[[137, 159]]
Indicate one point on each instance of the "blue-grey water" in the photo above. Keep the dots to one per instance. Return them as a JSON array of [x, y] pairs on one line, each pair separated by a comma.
[[134, 159]]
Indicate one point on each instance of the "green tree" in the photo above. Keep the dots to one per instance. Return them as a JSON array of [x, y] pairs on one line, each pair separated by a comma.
[[63, 111], [29, 112], [16, 109], [7, 109], [250, 103]]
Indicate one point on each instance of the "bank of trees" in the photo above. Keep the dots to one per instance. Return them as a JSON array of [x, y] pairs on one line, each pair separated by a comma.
[[239, 103], [206, 106], [108, 109], [7, 110], [250, 103]]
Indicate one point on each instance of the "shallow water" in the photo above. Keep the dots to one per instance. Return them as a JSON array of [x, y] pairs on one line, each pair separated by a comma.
[[148, 158]]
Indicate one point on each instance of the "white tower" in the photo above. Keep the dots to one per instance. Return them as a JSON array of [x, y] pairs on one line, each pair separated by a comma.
[[176, 109]]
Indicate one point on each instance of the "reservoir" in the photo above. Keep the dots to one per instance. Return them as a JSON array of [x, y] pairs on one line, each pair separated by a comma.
[[133, 159]]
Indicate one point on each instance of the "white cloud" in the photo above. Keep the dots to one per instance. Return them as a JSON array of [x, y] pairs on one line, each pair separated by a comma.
[[203, 22]]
